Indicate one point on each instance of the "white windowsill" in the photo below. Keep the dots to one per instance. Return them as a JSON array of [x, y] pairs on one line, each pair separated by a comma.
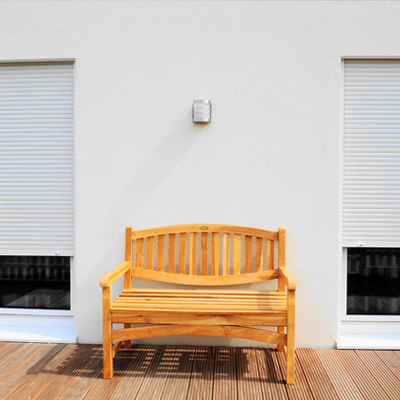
[[369, 341], [37, 334], [35, 311], [42, 326]]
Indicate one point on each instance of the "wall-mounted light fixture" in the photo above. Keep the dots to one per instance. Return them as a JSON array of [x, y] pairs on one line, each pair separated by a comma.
[[201, 111]]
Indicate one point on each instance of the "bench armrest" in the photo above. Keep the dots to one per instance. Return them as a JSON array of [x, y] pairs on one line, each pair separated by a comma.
[[116, 273], [288, 278]]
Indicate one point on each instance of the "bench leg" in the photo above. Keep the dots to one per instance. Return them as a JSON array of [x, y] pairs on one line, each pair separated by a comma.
[[107, 353], [108, 371], [127, 343], [108, 361], [290, 364], [281, 329], [290, 348]]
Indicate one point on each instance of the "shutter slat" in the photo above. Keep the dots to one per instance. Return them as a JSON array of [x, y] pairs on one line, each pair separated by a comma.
[[36, 158], [371, 156]]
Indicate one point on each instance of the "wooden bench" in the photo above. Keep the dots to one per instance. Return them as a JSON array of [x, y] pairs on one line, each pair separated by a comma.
[[201, 255]]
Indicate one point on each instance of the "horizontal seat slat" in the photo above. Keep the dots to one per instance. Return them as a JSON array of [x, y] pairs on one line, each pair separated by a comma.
[[234, 300], [206, 311], [199, 308], [197, 300]]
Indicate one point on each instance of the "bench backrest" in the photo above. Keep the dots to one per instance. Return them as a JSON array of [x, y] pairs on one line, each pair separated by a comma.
[[205, 254]]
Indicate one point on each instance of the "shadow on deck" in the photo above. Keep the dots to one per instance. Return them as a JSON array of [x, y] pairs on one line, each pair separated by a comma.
[[56, 371]]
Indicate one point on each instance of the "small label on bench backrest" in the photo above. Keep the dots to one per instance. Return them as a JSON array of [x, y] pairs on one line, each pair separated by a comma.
[[204, 228]]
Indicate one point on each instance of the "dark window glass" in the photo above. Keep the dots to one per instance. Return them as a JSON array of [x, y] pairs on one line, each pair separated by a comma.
[[35, 282], [373, 281]]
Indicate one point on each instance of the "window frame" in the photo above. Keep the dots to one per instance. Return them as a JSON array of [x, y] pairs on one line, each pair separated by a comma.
[[39, 322], [370, 331]]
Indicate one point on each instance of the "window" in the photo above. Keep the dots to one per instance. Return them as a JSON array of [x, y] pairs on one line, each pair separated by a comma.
[[373, 281], [36, 184], [35, 282], [371, 186]]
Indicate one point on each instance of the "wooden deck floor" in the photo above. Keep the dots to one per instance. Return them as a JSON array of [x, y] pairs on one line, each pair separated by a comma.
[[54, 371]]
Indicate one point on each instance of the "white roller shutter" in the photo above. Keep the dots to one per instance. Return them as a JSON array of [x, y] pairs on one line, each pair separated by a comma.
[[371, 170], [36, 158]]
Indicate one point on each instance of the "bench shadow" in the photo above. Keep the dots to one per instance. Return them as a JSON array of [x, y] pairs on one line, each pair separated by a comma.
[[245, 364]]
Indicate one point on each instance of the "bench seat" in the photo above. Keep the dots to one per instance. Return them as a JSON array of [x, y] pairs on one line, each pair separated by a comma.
[[201, 301], [166, 306]]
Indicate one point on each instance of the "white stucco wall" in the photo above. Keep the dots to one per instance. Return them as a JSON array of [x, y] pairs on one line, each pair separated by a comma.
[[270, 157]]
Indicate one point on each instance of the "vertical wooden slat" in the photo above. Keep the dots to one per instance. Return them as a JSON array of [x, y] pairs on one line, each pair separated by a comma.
[[128, 243], [171, 253], [182, 253], [248, 241], [225, 253], [139, 253], [150, 253], [282, 240], [270, 255], [192, 253], [128, 256], [161, 253], [215, 254], [204, 253], [281, 257], [259, 254], [236, 254], [127, 276]]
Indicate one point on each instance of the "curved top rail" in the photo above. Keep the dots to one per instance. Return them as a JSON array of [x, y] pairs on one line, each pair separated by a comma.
[[196, 280], [214, 228]]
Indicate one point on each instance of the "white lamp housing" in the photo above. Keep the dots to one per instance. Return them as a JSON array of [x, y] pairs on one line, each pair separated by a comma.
[[201, 111]]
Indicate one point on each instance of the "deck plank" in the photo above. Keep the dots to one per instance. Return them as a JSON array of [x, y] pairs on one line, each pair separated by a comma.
[[41, 373], [178, 381], [12, 363], [27, 365], [361, 376], [154, 381], [340, 379], [142, 359], [12, 350], [248, 377], [391, 360], [271, 379], [225, 380], [61, 379], [386, 379], [86, 377], [317, 377], [201, 378], [300, 390], [103, 388]]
